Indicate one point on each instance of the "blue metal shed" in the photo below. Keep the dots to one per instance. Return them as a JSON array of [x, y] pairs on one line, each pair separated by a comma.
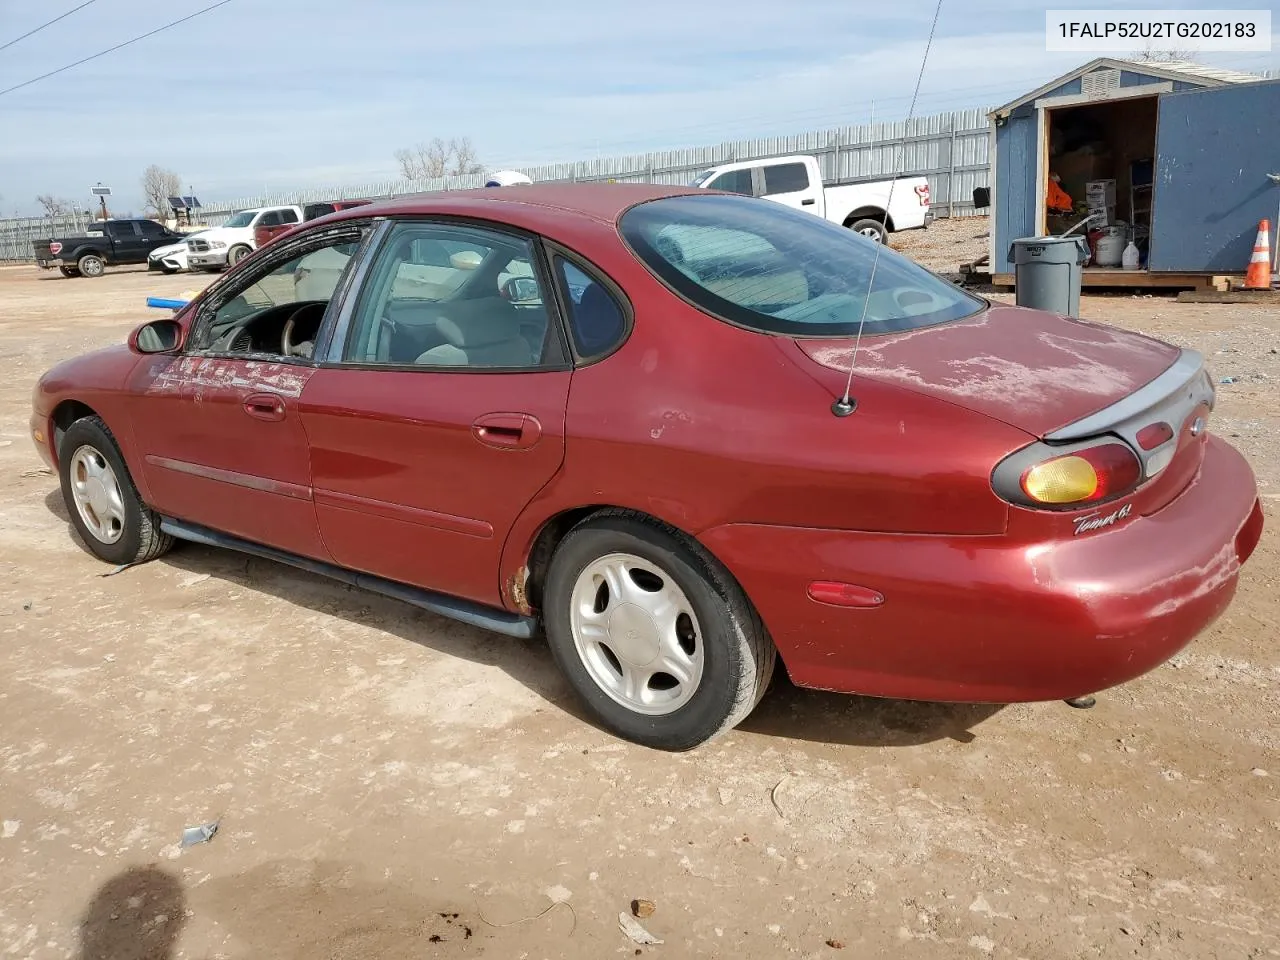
[[1193, 147]]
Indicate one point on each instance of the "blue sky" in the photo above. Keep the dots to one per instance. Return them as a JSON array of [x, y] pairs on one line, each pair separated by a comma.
[[271, 94]]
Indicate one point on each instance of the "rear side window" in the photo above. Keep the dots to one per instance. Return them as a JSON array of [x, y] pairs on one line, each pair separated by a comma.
[[596, 319], [735, 181], [772, 268], [785, 178]]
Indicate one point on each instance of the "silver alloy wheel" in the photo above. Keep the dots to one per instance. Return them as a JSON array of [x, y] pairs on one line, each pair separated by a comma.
[[872, 232], [636, 633], [97, 495]]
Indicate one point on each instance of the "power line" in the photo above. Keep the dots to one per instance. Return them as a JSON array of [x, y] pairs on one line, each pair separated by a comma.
[[49, 24], [118, 46]]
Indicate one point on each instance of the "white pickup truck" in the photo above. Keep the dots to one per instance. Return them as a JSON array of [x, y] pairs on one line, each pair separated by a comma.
[[226, 245], [797, 182]]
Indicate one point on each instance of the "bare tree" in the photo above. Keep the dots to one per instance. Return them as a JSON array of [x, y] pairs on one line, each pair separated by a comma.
[[427, 161], [465, 159], [54, 206], [158, 185]]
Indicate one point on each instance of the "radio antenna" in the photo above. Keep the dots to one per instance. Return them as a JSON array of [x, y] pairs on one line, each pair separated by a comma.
[[846, 404]]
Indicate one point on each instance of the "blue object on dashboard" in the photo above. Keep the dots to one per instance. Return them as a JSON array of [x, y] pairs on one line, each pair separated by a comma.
[[166, 303]]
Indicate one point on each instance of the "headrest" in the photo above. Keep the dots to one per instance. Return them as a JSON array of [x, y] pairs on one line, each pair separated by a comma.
[[479, 323]]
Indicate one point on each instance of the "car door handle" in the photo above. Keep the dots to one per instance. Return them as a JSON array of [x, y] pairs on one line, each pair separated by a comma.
[[264, 406], [508, 431], [808, 203]]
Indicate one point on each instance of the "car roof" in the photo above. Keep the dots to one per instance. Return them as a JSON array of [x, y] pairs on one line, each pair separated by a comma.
[[604, 202]]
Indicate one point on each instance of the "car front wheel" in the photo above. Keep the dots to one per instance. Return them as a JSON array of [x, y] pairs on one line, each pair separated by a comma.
[[654, 636], [236, 254], [100, 496]]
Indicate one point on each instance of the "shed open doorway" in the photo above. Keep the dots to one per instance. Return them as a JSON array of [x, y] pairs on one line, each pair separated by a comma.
[[1101, 156]]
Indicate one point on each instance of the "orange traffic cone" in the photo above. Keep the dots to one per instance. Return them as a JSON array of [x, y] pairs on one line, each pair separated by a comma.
[[1258, 276]]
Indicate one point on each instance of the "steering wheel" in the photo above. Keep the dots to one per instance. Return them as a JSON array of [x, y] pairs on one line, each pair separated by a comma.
[[287, 347]]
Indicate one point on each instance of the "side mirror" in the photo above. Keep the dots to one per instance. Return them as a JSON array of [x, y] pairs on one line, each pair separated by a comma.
[[158, 336], [981, 197], [520, 289]]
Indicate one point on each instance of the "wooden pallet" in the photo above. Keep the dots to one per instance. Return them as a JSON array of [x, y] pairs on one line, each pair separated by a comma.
[[1102, 278]]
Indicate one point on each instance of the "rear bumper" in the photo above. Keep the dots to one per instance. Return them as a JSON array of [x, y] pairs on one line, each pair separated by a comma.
[[983, 619]]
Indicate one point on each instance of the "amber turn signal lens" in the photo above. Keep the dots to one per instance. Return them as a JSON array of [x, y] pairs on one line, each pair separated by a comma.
[[1085, 476], [1062, 480]]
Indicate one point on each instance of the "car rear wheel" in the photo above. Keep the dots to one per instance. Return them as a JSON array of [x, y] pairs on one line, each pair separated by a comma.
[[236, 254], [652, 633], [92, 265], [871, 229], [69, 271], [100, 496]]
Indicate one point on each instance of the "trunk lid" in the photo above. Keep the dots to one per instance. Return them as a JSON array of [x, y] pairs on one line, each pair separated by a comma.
[[1033, 370]]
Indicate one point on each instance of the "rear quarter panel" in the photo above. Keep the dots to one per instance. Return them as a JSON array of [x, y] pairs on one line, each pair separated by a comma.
[[702, 424]]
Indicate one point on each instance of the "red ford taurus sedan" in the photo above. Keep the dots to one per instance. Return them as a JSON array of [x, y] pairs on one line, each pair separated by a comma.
[[615, 412]]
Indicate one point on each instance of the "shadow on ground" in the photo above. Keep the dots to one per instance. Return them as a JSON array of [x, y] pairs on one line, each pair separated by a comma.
[[786, 711], [135, 915], [284, 910]]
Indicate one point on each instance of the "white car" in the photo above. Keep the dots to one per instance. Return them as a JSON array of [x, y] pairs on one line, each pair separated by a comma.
[[872, 209], [170, 259], [227, 245]]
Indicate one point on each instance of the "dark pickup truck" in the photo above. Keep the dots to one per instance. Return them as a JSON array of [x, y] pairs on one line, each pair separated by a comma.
[[106, 243]]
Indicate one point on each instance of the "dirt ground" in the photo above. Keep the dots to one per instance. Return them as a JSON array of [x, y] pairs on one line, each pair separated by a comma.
[[389, 784]]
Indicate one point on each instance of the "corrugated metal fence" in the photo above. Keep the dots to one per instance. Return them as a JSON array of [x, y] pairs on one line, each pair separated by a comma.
[[16, 235], [949, 148]]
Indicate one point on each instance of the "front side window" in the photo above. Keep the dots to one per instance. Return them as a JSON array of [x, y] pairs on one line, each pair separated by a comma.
[[734, 181], [454, 296], [785, 178], [277, 309], [772, 268], [270, 219], [151, 229], [287, 216]]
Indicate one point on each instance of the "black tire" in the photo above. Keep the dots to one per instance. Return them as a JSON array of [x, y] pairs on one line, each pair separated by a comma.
[[871, 229], [236, 254], [69, 272], [91, 265], [738, 655], [141, 538]]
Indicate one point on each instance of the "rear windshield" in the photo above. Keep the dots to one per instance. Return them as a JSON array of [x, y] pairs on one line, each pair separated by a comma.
[[769, 267]]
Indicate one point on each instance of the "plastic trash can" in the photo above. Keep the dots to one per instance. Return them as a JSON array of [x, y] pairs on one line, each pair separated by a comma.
[[1047, 273]]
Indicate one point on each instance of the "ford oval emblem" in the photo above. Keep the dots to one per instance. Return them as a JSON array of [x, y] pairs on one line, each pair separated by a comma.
[[1197, 426]]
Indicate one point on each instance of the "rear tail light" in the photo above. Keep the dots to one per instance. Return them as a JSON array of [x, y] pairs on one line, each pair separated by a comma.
[[923, 193], [1082, 476], [55, 247]]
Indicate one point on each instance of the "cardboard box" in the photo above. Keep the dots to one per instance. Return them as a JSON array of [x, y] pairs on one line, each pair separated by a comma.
[[1102, 191], [1108, 212]]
